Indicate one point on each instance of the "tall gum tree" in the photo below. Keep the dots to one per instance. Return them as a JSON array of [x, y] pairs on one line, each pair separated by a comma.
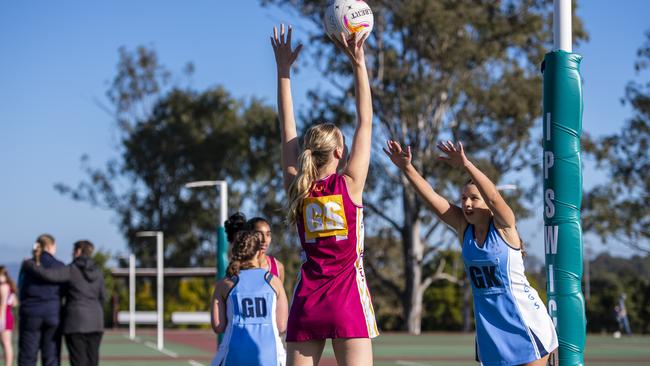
[[169, 134], [617, 209]]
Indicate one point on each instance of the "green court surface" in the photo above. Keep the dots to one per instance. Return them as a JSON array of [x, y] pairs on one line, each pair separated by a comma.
[[440, 349]]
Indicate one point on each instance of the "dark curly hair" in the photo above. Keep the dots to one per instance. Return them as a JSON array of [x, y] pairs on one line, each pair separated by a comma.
[[235, 223], [244, 248]]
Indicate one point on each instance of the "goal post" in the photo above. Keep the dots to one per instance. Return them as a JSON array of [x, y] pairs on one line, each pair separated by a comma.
[[562, 177]]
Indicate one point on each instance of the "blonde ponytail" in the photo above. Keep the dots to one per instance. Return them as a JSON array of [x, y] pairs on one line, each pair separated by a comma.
[[319, 143], [301, 185], [36, 253], [42, 241], [522, 248]]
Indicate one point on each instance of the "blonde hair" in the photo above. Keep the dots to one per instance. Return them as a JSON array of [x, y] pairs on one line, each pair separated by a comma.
[[319, 142], [244, 249], [42, 241]]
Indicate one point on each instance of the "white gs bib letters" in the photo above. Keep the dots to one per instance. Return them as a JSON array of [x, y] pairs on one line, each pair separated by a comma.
[[324, 216]]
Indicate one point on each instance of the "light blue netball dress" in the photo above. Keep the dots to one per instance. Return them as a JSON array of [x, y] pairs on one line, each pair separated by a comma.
[[512, 324], [251, 337]]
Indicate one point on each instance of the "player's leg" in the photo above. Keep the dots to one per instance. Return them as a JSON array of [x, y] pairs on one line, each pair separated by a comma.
[[541, 362], [5, 337], [306, 353], [353, 351]]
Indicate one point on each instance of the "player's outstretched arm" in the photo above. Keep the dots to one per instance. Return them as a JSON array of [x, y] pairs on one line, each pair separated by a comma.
[[284, 58], [450, 214], [356, 169], [503, 215]]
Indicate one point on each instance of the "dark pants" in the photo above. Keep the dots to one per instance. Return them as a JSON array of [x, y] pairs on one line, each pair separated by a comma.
[[37, 332], [83, 348]]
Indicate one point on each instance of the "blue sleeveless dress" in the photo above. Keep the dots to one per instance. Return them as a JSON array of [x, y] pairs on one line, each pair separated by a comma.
[[251, 337], [512, 324]]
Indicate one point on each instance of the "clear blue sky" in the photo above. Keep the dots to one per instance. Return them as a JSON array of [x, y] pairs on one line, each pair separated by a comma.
[[56, 59]]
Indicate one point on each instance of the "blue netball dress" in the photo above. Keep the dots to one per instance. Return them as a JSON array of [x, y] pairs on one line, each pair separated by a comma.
[[251, 337], [512, 324]]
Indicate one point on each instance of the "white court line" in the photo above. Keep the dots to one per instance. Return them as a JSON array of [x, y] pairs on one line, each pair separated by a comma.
[[165, 351], [135, 339], [409, 363], [169, 353]]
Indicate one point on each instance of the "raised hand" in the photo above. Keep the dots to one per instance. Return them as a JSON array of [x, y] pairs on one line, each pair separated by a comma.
[[352, 47], [284, 55], [455, 153], [401, 158]]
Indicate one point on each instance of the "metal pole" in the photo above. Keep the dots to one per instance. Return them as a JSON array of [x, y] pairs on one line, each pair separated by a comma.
[[222, 241], [159, 274], [562, 25], [223, 211], [132, 296], [222, 245]]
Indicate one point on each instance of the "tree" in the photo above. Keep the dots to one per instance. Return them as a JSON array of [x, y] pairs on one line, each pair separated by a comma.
[[170, 135], [617, 209], [101, 260], [444, 301], [463, 70], [613, 276]]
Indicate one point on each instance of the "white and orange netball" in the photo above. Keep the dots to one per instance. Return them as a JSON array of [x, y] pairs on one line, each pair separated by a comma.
[[350, 17]]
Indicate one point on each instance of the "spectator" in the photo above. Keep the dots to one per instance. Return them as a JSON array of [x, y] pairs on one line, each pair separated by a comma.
[[621, 316], [40, 309], [83, 315], [7, 302]]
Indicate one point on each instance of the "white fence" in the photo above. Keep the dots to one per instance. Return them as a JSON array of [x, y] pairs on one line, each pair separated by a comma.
[[199, 317]]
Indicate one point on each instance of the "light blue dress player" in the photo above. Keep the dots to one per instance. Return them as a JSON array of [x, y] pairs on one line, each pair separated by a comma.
[[512, 324], [251, 337]]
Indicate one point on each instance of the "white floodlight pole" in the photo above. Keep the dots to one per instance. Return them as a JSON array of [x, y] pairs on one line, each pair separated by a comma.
[[159, 275], [131, 296], [220, 245], [562, 25], [223, 210], [507, 187]]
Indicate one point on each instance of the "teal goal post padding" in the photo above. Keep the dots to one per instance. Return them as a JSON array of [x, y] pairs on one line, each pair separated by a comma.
[[562, 128]]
